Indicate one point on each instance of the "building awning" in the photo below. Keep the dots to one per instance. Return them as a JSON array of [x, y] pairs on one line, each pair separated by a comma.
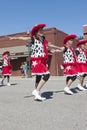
[[16, 52], [15, 49]]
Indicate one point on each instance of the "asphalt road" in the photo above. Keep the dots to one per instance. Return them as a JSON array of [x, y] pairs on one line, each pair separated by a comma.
[[19, 111]]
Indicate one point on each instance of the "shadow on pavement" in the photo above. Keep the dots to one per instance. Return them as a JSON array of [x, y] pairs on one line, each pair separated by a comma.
[[13, 84], [7, 85], [47, 95], [74, 90]]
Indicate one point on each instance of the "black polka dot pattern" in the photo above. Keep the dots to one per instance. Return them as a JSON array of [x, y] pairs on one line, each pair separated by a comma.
[[68, 56], [37, 49], [81, 57]]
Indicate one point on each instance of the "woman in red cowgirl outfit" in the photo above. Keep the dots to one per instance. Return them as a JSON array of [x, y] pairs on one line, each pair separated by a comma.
[[69, 62], [39, 57], [6, 67], [81, 62]]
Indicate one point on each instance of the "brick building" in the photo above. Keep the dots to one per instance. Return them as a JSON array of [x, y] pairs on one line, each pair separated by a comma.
[[19, 51]]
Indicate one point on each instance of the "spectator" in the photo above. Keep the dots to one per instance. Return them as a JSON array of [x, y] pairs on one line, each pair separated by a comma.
[[25, 69], [21, 68]]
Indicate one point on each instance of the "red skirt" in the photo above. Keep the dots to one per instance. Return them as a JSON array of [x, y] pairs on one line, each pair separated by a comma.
[[82, 68], [6, 70], [39, 67], [70, 69]]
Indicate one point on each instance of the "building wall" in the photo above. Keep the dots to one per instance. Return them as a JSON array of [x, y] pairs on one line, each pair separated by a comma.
[[6, 42], [56, 37], [85, 31], [52, 35]]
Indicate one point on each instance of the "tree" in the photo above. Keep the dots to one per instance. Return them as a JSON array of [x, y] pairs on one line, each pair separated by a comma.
[[80, 38]]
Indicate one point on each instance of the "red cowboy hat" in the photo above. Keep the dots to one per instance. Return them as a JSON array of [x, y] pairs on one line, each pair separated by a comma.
[[6, 52], [80, 42], [71, 36], [36, 27]]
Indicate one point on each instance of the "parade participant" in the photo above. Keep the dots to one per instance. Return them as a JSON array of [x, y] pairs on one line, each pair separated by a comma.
[[81, 62], [6, 66], [39, 57], [69, 62]]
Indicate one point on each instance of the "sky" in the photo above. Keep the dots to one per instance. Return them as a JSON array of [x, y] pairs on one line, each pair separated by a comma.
[[18, 16]]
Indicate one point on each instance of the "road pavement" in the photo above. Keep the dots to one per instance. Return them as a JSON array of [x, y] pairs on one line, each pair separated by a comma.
[[19, 111]]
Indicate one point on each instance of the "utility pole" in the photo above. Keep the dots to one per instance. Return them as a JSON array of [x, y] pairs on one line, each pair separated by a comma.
[[28, 44]]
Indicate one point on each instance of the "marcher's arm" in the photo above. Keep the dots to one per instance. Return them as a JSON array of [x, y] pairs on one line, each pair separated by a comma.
[[20, 38], [57, 48], [51, 45]]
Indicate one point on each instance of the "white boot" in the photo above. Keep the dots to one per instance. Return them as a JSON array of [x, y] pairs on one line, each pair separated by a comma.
[[68, 91], [80, 87], [86, 86], [2, 83], [8, 84], [38, 96]]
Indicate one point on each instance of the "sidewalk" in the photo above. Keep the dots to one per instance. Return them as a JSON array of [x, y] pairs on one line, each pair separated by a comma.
[[33, 78]]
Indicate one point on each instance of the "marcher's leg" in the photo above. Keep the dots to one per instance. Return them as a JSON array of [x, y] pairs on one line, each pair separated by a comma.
[[41, 83], [81, 81], [38, 78], [85, 84], [2, 82], [8, 79], [69, 81]]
